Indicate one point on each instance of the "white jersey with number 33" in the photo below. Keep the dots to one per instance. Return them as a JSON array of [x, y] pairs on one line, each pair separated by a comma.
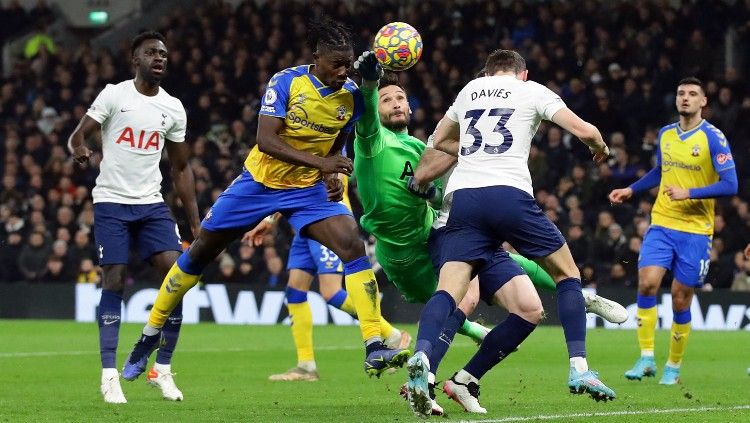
[[499, 116]]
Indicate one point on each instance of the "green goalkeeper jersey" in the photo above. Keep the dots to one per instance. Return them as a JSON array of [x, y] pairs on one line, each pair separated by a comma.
[[383, 162]]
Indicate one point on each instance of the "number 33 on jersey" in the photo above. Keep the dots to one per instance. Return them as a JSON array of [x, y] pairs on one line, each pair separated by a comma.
[[498, 116]]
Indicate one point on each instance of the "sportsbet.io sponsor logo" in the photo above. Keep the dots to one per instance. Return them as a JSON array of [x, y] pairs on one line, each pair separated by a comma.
[[296, 120], [668, 163]]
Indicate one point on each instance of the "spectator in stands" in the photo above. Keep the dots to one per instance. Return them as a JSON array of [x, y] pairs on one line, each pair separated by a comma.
[[32, 260], [87, 272]]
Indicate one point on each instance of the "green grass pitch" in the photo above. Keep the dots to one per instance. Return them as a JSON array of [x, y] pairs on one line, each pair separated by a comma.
[[49, 371]]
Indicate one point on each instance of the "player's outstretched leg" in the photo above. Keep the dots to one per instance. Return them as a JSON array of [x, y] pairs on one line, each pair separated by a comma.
[[183, 275], [161, 376], [609, 310], [362, 286], [392, 337], [340, 234]]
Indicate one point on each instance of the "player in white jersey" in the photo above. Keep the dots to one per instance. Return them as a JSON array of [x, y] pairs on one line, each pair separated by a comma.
[[489, 128], [137, 119]]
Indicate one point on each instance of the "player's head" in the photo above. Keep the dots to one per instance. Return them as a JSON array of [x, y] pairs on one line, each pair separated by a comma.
[[149, 55], [691, 97], [333, 54], [393, 105], [506, 62]]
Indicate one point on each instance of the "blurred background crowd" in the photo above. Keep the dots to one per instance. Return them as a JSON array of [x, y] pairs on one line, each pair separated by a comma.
[[615, 63]]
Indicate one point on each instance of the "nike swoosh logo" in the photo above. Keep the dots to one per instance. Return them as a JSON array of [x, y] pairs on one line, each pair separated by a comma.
[[125, 110], [109, 322]]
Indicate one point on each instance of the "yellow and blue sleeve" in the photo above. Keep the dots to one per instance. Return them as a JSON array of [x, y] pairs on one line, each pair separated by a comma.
[[651, 179], [359, 106], [276, 98], [723, 165]]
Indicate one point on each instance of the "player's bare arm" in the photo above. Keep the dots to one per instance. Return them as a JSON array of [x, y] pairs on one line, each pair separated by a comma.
[[77, 141], [618, 196], [432, 165], [270, 143], [447, 135], [586, 132], [184, 182], [676, 193]]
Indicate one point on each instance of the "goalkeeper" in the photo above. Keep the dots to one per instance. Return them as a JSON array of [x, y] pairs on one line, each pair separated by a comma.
[[397, 214]]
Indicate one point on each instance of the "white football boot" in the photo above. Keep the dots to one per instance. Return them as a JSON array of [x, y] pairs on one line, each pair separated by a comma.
[[111, 388], [160, 376], [466, 395], [609, 310]]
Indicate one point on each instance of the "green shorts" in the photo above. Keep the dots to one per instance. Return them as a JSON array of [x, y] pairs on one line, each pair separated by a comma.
[[410, 269]]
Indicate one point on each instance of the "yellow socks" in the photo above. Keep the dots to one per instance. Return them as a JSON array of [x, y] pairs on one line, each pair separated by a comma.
[[647, 318], [678, 337], [176, 284], [342, 301], [301, 317], [363, 291]]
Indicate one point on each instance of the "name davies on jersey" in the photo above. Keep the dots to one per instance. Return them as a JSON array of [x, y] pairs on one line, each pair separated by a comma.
[[128, 136], [495, 92]]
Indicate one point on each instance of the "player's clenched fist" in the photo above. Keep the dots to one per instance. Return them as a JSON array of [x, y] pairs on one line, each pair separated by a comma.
[[619, 195], [336, 164], [334, 187], [367, 65], [600, 153], [81, 154]]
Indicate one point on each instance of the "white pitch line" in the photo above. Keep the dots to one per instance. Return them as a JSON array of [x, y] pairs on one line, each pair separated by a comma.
[[609, 414]]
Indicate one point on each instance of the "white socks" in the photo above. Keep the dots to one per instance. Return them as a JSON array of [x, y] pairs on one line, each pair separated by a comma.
[[310, 366], [580, 364], [109, 373], [150, 331], [465, 377], [163, 368]]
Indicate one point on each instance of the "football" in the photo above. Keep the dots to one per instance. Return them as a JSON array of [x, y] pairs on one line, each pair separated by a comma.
[[398, 46]]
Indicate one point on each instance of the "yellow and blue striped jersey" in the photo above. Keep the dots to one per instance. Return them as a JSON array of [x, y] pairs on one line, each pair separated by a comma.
[[314, 115], [689, 159]]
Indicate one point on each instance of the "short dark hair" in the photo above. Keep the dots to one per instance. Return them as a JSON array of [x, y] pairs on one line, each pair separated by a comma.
[[691, 80], [482, 72], [326, 32], [143, 36], [504, 60], [390, 78]]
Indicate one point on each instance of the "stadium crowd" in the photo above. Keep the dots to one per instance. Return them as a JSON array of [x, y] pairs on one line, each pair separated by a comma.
[[614, 63]]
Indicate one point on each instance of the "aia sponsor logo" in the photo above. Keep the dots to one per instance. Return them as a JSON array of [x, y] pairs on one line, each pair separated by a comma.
[[142, 142]]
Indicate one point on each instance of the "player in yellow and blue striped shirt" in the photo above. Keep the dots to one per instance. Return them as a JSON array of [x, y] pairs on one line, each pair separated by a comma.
[[694, 165], [306, 116]]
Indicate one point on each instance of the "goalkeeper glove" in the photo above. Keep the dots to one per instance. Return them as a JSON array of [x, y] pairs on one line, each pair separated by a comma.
[[427, 191], [368, 66]]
